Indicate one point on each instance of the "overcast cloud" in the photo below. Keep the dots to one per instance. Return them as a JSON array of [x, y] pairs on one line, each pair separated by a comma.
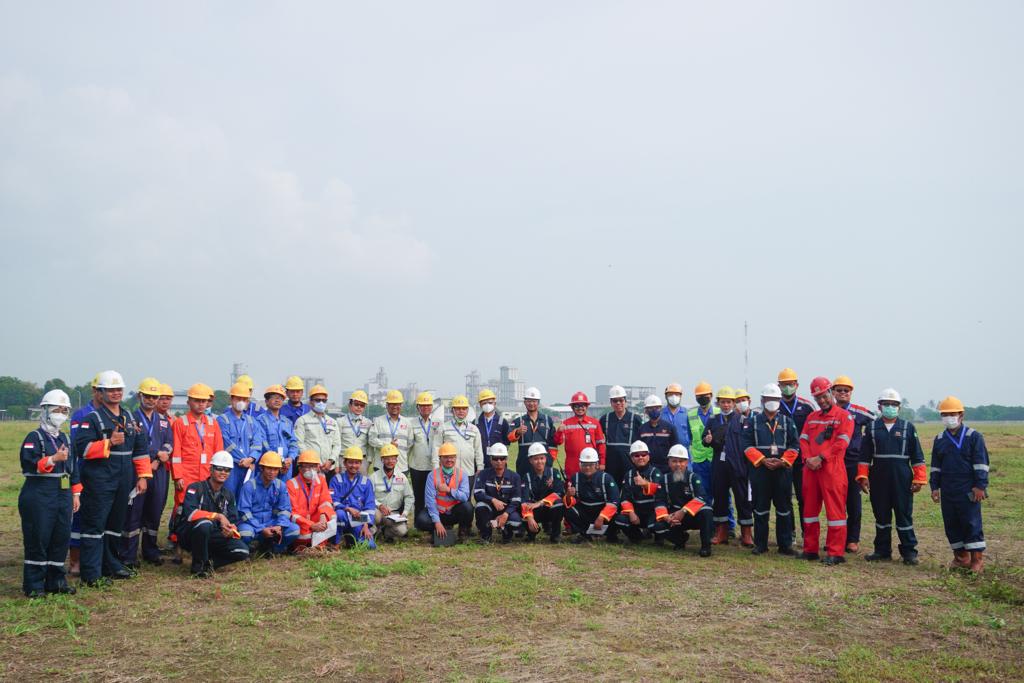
[[592, 192]]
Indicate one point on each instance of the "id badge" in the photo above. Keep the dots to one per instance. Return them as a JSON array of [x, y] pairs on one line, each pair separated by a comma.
[[775, 450], [65, 482], [586, 437], [202, 459]]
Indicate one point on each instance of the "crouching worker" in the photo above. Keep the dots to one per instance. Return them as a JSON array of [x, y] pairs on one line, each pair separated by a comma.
[[352, 494], [687, 503], [310, 497], [446, 497], [393, 493], [543, 488], [498, 495], [207, 524], [266, 510], [642, 497], [591, 499]]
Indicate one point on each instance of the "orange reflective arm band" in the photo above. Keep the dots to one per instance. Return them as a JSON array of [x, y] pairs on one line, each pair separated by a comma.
[[512, 435], [143, 470], [97, 450], [790, 457], [550, 499], [660, 512], [569, 501], [76, 488], [694, 506], [862, 470], [607, 512], [527, 512], [650, 488], [754, 456], [920, 474], [198, 515], [44, 466], [627, 507]]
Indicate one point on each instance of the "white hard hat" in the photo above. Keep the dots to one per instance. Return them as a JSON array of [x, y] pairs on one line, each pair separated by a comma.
[[652, 401], [537, 448], [617, 392], [588, 455], [771, 391], [222, 459], [499, 450], [110, 379], [638, 446], [890, 394], [55, 397], [679, 451], [532, 393]]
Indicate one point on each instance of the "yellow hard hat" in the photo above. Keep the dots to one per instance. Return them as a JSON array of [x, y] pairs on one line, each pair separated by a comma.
[[318, 389], [725, 391], [460, 402], [788, 375], [95, 380], [272, 459], [240, 389], [389, 450], [843, 380], [394, 396], [274, 389], [702, 388], [447, 449], [951, 404], [200, 391], [486, 395], [741, 393], [424, 399], [294, 383], [165, 390], [674, 388], [308, 458], [359, 395], [150, 386], [247, 381], [353, 453]]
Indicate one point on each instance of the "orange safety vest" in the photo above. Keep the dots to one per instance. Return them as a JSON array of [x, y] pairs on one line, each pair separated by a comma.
[[444, 500]]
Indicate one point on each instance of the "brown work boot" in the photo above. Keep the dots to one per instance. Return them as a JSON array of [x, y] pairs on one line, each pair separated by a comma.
[[852, 547], [746, 537], [721, 534], [977, 561], [961, 560]]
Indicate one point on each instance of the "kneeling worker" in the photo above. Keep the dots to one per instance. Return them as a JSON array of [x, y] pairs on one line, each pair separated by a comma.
[[354, 504], [642, 497], [446, 497], [310, 496], [591, 498], [686, 499], [266, 509], [543, 488], [393, 493], [207, 524], [498, 496]]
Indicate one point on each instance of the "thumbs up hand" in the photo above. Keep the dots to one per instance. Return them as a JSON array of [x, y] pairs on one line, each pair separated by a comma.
[[117, 436]]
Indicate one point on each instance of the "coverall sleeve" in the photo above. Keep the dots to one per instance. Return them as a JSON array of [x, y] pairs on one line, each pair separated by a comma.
[[478, 451], [660, 496], [503, 429], [232, 514], [916, 455], [480, 490], [33, 456], [979, 460], [430, 499], [462, 494], [254, 449], [177, 429], [557, 483], [697, 484], [409, 502], [375, 439], [335, 436], [245, 505], [282, 506], [90, 441], [218, 438], [841, 439], [293, 443], [140, 453], [299, 429], [190, 506], [683, 432], [369, 499], [935, 472]]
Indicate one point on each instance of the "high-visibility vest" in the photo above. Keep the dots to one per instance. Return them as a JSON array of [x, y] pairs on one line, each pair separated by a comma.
[[698, 451], [444, 501]]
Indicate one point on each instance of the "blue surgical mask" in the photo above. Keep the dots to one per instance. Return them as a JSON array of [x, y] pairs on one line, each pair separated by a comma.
[[320, 406], [890, 412]]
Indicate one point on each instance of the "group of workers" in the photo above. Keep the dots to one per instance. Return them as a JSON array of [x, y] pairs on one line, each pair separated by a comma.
[[289, 478]]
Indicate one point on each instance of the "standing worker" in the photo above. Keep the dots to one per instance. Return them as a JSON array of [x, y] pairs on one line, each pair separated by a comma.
[[394, 428], [421, 453], [277, 431], [77, 418], [318, 431], [797, 408], [657, 433], [196, 438], [294, 408], [580, 431], [354, 425], [530, 428], [493, 427], [701, 454], [675, 414], [621, 428], [242, 436], [842, 393]]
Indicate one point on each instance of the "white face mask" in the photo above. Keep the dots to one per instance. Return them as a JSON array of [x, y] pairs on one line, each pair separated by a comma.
[[674, 400], [772, 406], [308, 475], [727, 412], [951, 421], [240, 406], [57, 419], [487, 408], [742, 406], [320, 406]]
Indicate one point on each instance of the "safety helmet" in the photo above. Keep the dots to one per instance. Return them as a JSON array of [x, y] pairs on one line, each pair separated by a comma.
[[537, 448], [725, 391], [55, 397], [460, 402], [308, 458], [843, 381], [771, 391], [447, 449], [742, 393], [951, 404], [674, 388], [274, 389], [271, 459], [819, 385], [394, 396], [353, 453], [579, 397], [702, 388], [317, 390], [425, 398], [653, 401], [389, 450], [199, 391], [890, 394], [638, 446], [109, 379], [149, 386], [165, 390], [95, 381], [486, 395], [679, 451], [532, 393], [616, 391], [498, 450], [223, 459], [240, 389], [787, 375], [247, 381], [588, 454], [359, 395], [294, 383]]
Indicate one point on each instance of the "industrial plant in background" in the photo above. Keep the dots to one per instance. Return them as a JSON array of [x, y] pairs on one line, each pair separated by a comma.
[[508, 388]]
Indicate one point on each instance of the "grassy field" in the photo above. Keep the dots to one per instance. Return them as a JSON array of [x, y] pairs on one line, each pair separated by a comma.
[[410, 612]]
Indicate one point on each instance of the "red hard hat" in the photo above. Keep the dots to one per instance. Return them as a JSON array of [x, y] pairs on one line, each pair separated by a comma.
[[819, 385], [579, 397]]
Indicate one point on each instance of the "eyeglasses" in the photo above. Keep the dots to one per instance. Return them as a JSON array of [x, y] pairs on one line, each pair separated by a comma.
[[220, 469], [641, 455], [498, 457], [842, 390], [618, 400]]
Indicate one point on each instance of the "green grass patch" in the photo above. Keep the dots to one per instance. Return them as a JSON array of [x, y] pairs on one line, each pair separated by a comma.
[[349, 574], [21, 616]]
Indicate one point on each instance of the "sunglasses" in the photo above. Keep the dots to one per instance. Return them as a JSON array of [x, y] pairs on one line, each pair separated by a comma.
[[220, 469], [842, 390], [618, 400]]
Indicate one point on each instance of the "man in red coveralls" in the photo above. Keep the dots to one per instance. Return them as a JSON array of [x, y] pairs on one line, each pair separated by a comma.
[[823, 444], [578, 432]]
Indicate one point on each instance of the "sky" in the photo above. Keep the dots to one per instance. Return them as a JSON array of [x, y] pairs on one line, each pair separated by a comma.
[[593, 192]]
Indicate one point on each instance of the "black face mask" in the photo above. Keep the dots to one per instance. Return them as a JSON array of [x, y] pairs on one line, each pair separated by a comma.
[[703, 401]]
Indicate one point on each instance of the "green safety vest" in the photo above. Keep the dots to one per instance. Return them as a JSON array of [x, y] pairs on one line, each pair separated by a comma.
[[698, 451]]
